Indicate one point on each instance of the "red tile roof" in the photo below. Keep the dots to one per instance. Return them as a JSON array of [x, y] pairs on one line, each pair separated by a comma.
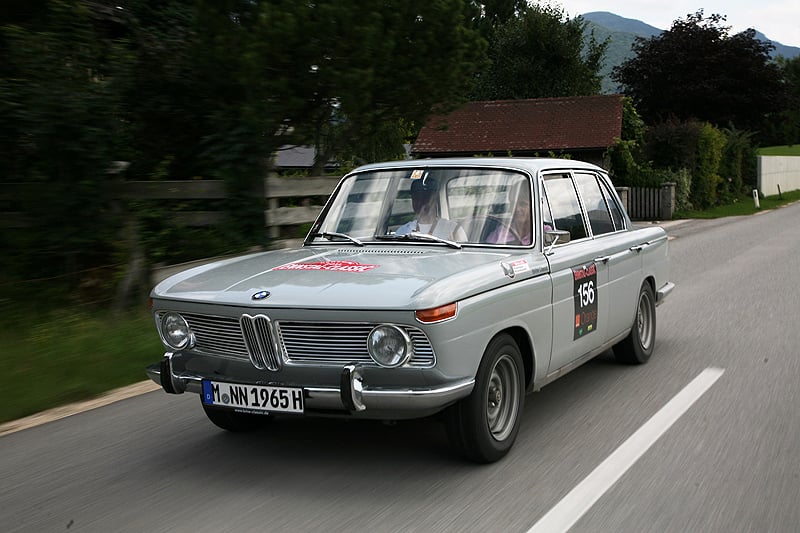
[[500, 126]]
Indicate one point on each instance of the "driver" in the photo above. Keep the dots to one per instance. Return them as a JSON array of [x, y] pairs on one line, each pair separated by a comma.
[[424, 193], [519, 230]]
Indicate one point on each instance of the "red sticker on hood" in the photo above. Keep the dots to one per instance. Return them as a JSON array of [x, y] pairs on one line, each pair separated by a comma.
[[331, 266]]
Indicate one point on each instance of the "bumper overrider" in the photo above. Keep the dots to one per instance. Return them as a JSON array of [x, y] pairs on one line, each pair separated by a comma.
[[352, 394]]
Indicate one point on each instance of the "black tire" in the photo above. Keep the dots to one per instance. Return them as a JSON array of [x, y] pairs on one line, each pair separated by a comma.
[[483, 426], [236, 422], [637, 347]]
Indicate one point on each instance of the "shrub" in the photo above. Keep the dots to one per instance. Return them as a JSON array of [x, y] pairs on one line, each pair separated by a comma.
[[682, 179], [706, 179], [672, 144]]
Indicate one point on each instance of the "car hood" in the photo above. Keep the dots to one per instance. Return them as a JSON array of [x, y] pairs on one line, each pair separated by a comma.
[[377, 277]]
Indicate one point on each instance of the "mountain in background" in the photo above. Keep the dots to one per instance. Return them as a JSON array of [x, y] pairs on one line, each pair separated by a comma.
[[622, 32]]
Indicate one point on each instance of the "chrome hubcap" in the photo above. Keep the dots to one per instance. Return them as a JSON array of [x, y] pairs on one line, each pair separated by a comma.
[[503, 397], [644, 321]]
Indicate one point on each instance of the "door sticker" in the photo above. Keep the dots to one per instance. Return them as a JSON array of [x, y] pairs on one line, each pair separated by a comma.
[[585, 292]]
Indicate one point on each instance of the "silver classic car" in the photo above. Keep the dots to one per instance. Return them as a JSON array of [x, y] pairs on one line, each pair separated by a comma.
[[450, 286]]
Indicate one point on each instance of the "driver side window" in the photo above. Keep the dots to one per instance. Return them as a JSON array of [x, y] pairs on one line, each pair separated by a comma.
[[564, 205]]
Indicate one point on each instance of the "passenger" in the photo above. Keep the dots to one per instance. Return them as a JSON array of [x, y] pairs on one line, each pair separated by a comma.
[[519, 230], [424, 193]]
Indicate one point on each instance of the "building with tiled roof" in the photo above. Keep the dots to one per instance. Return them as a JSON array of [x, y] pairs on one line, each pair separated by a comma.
[[582, 126]]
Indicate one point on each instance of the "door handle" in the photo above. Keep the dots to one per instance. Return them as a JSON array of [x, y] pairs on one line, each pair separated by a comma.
[[602, 259], [638, 248]]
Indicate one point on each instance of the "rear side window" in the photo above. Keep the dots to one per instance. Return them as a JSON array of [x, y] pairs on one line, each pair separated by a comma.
[[564, 205], [596, 207]]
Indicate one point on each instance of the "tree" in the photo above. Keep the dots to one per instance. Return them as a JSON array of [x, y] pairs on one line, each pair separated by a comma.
[[540, 53], [487, 16], [696, 70], [363, 67], [61, 112], [784, 126]]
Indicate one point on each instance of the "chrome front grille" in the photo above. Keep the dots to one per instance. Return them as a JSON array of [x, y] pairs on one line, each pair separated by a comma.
[[261, 346], [219, 335], [269, 344], [341, 343]]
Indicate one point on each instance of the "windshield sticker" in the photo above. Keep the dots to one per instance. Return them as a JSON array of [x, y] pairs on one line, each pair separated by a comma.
[[417, 174], [585, 291], [330, 266]]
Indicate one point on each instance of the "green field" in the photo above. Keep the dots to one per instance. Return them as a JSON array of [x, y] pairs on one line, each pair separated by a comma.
[[780, 150]]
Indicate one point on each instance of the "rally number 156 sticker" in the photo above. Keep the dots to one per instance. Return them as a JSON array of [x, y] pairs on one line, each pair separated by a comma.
[[585, 285]]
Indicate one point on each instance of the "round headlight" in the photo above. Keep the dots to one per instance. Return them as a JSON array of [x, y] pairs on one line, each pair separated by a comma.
[[175, 331], [389, 346]]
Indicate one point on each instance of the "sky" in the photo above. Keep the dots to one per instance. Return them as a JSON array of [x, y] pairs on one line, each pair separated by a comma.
[[779, 20]]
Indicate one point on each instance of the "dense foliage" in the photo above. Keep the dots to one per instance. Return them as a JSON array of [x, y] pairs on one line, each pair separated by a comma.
[[697, 70], [784, 126], [539, 53]]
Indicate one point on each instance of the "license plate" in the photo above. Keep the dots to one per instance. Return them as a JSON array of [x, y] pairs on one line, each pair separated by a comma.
[[253, 397]]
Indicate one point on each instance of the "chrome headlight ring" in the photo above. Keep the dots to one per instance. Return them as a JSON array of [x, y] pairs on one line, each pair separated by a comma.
[[175, 331], [389, 346]]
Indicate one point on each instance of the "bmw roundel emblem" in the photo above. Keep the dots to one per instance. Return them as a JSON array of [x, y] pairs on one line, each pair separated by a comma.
[[261, 295]]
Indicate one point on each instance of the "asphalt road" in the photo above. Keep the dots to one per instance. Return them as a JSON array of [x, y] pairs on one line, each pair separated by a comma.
[[730, 462]]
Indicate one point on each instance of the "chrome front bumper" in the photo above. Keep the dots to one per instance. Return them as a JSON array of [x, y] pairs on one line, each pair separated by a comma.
[[352, 395], [663, 292]]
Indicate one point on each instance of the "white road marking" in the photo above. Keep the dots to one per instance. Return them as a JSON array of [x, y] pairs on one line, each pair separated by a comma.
[[580, 499]]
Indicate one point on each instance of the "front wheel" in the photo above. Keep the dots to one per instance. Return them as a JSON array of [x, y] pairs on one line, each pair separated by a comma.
[[484, 425], [236, 422], [637, 347]]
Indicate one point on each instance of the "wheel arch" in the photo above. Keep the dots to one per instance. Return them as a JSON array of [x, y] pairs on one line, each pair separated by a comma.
[[525, 346]]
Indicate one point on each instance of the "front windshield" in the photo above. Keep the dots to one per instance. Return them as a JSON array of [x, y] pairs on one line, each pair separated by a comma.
[[451, 205]]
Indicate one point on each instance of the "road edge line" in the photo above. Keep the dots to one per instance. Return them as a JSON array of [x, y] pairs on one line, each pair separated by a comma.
[[57, 413]]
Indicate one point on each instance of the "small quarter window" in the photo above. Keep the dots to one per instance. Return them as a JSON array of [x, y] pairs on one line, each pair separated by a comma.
[[613, 206]]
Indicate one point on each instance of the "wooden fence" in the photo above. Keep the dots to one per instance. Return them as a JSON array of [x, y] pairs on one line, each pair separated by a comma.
[[309, 194], [649, 203]]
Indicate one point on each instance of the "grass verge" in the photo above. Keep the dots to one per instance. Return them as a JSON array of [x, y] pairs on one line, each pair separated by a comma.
[[742, 206], [51, 358], [793, 149]]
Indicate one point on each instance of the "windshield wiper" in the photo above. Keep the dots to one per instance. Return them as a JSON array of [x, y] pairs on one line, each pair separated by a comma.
[[330, 235], [417, 236]]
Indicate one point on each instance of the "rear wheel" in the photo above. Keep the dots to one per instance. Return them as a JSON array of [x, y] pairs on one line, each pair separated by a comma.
[[236, 422], [483, 426], [637, 347]]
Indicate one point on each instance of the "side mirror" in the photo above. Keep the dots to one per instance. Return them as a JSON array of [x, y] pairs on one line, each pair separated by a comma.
[[553, 236]]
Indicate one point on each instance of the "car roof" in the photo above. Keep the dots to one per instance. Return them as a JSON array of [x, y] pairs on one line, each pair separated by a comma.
[[530, 164]]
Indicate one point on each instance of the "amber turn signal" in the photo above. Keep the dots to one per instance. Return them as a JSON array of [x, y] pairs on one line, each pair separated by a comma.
[[437, 314]]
